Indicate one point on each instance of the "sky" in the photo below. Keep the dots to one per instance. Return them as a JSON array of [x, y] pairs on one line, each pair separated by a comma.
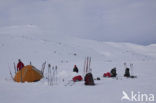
[[104, 20]]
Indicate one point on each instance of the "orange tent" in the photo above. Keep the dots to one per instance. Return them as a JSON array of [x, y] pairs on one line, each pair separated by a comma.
[[28, 74]]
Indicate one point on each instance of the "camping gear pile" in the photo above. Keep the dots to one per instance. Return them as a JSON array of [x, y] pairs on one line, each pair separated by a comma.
[[30, 73], [113, 72]]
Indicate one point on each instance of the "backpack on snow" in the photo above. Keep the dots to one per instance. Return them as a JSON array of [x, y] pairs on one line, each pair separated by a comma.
[[89, 79], [127, 73]]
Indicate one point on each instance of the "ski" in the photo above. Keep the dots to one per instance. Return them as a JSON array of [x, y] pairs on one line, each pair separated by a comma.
[[69, 83], [49, 66], [10, 73], [43, 67], [84, 69], [15, 68], [87, 67], [89, 64], [50, 73], [56, 74]]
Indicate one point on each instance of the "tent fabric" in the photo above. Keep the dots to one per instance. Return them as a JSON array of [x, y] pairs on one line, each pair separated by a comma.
[[28, 74]]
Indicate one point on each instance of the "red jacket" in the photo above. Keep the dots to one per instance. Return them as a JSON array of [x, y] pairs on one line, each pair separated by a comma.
[[20, 65]]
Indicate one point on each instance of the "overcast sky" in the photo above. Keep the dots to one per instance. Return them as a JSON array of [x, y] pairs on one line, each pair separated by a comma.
[[106, 20]]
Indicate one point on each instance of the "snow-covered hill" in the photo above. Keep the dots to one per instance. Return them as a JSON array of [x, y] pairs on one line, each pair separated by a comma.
[[30, 43]]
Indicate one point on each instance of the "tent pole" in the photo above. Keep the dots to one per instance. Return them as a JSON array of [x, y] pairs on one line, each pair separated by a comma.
[[21, 75]]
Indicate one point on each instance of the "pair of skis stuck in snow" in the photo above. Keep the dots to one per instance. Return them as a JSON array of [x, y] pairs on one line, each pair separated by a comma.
[[43, 68], [87, 64], [131, 67], [15, 71], [52, 75]]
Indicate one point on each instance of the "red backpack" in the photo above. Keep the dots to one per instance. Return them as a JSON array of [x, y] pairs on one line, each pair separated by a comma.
[[77, 78], [89, 79], [107, 74]]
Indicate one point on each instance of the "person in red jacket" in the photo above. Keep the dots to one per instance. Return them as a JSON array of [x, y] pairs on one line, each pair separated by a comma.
[[20, 65]]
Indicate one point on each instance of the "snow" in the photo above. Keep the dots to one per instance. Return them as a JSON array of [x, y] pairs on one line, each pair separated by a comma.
[[31, 43]]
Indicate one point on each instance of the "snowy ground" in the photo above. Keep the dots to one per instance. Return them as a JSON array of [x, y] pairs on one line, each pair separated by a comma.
[[29, 43]]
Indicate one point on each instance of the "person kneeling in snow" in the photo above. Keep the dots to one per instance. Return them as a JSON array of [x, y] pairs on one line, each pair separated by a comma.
[[127, 73], [75, 69], [113, 72]]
